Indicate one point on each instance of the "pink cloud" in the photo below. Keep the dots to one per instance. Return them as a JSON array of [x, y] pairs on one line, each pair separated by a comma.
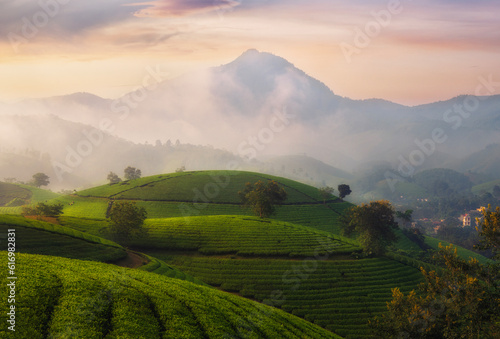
[[173, 8]]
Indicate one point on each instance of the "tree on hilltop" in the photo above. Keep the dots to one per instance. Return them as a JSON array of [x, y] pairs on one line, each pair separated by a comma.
[[262, 197], [344, 190], [40, 179], [113, 178], [131, 173]]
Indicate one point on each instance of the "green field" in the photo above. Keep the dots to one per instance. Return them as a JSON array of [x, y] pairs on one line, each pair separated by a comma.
[[68, 298]]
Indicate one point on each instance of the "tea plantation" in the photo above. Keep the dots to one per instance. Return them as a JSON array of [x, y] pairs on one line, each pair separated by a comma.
[[68, 298], [199, 236]]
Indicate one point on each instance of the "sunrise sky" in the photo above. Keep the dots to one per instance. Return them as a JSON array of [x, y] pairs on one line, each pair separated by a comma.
[[409, 52]]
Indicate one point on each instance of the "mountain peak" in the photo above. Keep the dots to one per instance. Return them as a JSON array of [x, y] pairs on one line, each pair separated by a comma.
[[263, 60]]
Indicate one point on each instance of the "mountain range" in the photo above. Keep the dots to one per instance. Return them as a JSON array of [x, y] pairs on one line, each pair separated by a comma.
[[251, 113]]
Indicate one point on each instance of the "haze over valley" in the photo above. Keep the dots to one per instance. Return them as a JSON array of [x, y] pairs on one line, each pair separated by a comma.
[[251, 111]]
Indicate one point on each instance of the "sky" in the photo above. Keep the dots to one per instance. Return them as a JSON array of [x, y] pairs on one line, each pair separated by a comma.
[[409, 52]]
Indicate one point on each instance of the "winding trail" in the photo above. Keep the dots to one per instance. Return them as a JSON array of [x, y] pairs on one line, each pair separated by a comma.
[[132, 260]]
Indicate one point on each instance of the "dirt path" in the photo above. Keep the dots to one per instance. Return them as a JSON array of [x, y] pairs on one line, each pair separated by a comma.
[[132, 260]]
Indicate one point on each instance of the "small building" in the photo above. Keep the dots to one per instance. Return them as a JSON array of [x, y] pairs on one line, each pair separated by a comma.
[[466, 220]]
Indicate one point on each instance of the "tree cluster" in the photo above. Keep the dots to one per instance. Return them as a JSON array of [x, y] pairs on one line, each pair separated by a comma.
[[127, 220], [45, 210], [374, 224], [262, 197], [129, 173], [461, 301]]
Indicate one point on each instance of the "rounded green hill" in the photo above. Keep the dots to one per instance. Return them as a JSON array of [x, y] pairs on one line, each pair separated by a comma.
[[203, 186]]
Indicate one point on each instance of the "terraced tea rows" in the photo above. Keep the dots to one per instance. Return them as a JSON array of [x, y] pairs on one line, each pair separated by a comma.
[[240, 235], [11, 192], [160, 267], [340, 295], [13, 196], [38, 237], [63, 298]]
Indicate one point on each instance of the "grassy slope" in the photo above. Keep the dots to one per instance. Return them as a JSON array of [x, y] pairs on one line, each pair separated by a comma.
[[58, 297], [216, 186], [30, 194], [485, 187], [8, 192], [461, 252], [39, 237]]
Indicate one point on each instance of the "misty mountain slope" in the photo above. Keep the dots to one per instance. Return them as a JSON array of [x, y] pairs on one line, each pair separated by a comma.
[[257, 106], [486, 161], [74, 154], [305, 169]]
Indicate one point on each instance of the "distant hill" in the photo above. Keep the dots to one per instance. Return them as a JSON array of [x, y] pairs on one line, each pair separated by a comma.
[[485, 161], [306, 169], [75, 155]]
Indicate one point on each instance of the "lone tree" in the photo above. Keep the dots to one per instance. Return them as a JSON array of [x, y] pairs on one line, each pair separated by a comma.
[[262, 197], [40, 179], [113, 178], [375, 225], [344, 190], [326, 192], [132, 173], [127, 220]]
